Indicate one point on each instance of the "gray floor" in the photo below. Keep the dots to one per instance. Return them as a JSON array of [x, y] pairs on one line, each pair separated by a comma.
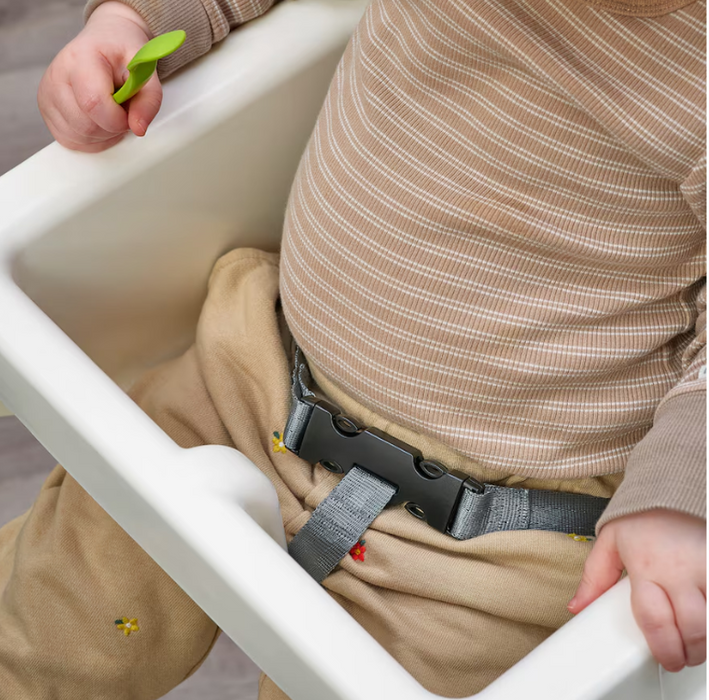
[[31, 33]]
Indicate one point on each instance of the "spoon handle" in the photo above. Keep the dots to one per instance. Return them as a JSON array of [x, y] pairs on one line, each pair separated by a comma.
[[143, 64], [137, 77]]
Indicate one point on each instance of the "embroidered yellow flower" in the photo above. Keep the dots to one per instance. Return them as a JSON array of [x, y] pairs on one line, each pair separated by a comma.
[[128, 626], [277, 441], [579, 538]]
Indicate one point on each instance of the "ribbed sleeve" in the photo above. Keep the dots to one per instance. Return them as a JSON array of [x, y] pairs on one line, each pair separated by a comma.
[[205, 22], [667, 469]]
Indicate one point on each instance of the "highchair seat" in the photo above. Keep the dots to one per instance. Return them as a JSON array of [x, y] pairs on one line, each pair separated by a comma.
[[103, 267]]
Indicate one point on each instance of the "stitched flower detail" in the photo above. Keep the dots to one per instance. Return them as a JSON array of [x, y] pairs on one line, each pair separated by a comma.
[[277, 441], [357, 552], [580, 538], [128, 626]]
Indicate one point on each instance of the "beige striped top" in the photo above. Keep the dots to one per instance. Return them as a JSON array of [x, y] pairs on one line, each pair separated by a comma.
[[496, 237]]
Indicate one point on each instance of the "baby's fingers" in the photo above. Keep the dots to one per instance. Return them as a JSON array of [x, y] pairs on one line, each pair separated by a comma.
[[93, 84], [67, 137], [602, 570], [656, 618], [73, 129], [144, 106], [690, 609]]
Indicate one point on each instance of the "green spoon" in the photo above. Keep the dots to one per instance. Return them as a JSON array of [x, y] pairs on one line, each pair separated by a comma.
[[143, 64]]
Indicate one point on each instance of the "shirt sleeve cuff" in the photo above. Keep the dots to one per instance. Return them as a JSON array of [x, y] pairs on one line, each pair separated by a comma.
[[161, 17], [667, 468]]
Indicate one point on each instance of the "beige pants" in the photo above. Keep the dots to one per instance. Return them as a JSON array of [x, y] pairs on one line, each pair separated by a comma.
[[455, 614]]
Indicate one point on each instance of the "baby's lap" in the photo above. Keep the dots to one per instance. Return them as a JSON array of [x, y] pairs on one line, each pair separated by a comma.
[[455, 630], [477, 607]]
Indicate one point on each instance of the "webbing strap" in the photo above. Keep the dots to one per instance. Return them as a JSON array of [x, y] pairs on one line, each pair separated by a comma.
[[300, 410], [337, 523], [502, 508]]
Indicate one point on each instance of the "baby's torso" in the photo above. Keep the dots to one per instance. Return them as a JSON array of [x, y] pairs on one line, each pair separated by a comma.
[[490, 238]]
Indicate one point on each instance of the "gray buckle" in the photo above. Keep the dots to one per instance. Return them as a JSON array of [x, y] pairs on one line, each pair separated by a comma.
[[429, 490]]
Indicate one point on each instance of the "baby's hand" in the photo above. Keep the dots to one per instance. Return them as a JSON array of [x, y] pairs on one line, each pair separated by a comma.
[[664, 553], [75, 95]]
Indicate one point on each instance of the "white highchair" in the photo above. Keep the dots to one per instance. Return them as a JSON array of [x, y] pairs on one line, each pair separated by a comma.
[[103, 267]]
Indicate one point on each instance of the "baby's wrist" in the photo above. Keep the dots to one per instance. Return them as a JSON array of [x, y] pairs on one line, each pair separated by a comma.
[[109, 11]]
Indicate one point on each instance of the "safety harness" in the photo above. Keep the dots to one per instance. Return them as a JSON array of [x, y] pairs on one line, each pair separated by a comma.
[[381, 471]]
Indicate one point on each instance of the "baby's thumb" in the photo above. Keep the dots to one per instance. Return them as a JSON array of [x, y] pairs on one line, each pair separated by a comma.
[[602, 570], [144, 106]]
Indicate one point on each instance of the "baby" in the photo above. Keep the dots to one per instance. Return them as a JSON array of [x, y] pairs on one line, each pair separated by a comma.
[[493, 250]]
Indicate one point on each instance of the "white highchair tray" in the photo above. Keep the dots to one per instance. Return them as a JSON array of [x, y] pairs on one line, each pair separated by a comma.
[[103, 267]]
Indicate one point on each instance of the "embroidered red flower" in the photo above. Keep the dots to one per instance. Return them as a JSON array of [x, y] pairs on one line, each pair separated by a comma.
[[357, 552]]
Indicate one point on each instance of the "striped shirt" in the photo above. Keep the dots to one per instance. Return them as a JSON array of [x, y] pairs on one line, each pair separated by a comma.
[[496, 234]]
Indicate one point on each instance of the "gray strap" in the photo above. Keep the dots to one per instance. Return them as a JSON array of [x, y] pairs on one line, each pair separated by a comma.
[[501, 508], [338, 522], [300, 411]]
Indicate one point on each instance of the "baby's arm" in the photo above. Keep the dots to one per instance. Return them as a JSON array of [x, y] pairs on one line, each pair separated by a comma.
[[75, 94]]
